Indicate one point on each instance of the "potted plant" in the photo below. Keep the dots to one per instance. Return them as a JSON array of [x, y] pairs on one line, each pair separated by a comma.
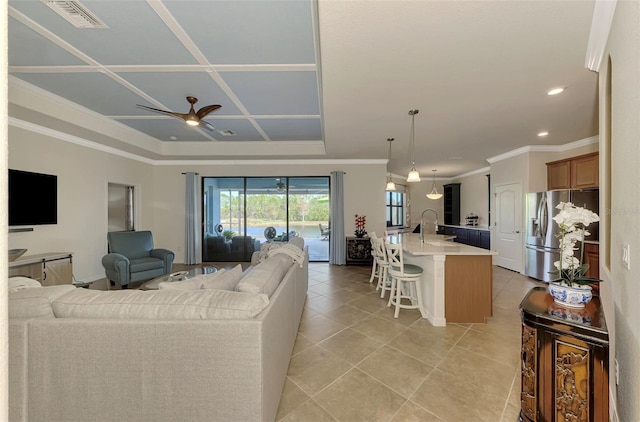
[[571, 288], [228, 234], [361, 221]]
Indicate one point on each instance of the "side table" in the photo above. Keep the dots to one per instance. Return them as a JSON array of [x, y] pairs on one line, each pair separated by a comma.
[[358, 251]]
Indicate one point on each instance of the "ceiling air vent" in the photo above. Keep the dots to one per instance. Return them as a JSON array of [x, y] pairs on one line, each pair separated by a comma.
[[226, 132], [75, 13]]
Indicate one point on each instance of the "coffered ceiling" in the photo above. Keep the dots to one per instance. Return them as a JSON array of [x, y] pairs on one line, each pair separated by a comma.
[[309, 79]]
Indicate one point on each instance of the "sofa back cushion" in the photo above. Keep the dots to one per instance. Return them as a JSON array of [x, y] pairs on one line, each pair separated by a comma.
[[36, 302], [159, 304], [266, 276], [226, 281]]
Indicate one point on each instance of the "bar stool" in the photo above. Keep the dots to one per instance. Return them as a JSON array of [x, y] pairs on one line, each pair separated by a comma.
[[401, 275], [374, 265], [383, 266]]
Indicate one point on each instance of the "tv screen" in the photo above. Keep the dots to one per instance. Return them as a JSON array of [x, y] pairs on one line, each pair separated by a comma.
[[33, 198]]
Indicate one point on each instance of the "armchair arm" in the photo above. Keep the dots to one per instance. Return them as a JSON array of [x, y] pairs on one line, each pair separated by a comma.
[[166, 256], [117, 268]]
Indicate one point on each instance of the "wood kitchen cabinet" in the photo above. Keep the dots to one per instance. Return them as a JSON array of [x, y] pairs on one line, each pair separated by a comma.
[[592, 257], [49, 269], [565, 361], [579, 172]]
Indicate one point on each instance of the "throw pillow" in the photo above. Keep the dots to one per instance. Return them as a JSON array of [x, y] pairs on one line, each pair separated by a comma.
[[194, 283], [227, 281]]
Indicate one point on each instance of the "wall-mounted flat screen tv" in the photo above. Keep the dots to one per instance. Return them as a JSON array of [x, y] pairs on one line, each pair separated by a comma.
[[33, 198]]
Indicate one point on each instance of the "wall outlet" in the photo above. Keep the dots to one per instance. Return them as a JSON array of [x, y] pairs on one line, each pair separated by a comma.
[[617, 371], [626, 256]]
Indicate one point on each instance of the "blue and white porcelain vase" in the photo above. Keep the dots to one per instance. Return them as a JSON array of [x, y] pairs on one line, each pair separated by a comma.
[[575, 297]]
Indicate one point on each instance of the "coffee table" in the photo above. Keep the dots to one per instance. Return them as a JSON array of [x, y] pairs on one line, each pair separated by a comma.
[[177, 276]]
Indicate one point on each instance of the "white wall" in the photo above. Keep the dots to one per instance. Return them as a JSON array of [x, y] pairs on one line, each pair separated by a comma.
[[363, 192], [83, 177], [621, 287], [4, 336]]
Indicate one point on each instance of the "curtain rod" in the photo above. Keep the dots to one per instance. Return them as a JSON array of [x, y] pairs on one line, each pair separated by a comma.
[[197, 174]]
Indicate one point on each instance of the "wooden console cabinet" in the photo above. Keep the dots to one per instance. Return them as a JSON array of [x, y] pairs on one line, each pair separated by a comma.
[[48, 268], [579, 172], [358, 251], [565, 361]]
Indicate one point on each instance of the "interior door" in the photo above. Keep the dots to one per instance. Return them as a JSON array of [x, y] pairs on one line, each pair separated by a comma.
[[507, 230]]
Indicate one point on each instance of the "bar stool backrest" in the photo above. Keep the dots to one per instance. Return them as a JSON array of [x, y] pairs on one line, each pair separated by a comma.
[[380, 251], [394, 255]]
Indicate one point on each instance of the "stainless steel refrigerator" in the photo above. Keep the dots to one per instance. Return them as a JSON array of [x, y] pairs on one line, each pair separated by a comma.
[[541, 244]]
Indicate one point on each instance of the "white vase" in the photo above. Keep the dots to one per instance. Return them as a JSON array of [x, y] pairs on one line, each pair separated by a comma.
[[570, 296]]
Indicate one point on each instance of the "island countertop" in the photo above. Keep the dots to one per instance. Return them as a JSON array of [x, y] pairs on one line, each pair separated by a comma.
[[435, 244]]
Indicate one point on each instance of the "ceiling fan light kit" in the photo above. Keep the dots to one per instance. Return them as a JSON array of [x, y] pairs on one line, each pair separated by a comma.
[[413, 175], [434, 191], [391, 186]]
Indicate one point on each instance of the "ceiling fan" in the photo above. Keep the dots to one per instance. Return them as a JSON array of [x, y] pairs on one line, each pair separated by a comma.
[[192, 118], [281, 186]]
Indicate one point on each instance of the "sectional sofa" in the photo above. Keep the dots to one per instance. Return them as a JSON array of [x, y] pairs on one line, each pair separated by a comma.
[[169, 355]]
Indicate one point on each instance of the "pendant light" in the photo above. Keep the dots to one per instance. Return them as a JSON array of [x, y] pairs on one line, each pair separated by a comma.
[[390, 184], [413, 175], [434, 192]]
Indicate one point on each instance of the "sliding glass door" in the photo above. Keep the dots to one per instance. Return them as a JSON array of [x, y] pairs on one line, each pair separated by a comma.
[[240, 214]]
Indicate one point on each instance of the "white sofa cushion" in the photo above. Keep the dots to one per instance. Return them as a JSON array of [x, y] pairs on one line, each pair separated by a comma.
[[36, 302], [266, 276], [159, 304], [18, 283], [227, 281]]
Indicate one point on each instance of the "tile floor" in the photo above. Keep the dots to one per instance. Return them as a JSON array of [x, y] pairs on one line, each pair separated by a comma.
[[353, 361]]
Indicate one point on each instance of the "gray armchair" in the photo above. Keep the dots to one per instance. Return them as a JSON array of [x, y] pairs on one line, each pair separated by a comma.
[[132, 258]]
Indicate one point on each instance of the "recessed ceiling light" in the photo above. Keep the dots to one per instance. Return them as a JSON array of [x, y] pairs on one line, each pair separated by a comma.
[[455, 158], [543, 134], [173, 138], [556, 91]]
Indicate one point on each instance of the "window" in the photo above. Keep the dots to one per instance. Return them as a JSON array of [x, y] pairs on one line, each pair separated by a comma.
[[242, 213], [395, 209]]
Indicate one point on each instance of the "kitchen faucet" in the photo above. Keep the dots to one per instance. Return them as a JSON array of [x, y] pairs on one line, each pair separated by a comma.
[[422, 223]]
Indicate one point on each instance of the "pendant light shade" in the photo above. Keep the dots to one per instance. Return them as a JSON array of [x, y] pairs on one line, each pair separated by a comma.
[[413, 175], [390, 185], [434, 192]]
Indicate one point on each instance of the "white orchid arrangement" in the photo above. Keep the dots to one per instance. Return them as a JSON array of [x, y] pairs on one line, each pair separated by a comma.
[[573, 222]]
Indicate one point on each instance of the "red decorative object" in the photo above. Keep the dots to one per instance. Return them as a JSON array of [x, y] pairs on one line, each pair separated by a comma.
[[361, 222]]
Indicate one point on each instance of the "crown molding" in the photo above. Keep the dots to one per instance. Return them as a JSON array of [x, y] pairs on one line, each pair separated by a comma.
[[32, 127], [603, 12], [544, 148], [474, 172]]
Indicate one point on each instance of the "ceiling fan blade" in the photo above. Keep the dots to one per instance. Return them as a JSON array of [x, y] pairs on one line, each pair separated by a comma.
[[157, 110], [207, 109], [207, 126]]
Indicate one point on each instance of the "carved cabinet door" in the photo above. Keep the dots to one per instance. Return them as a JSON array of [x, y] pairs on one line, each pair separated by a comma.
[[575, 380]]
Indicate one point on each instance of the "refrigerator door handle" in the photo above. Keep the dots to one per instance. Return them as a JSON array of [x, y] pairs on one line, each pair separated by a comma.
[[542, 219]]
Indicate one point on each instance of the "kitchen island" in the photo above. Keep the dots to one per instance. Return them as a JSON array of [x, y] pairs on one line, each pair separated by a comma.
[[457, 279]]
